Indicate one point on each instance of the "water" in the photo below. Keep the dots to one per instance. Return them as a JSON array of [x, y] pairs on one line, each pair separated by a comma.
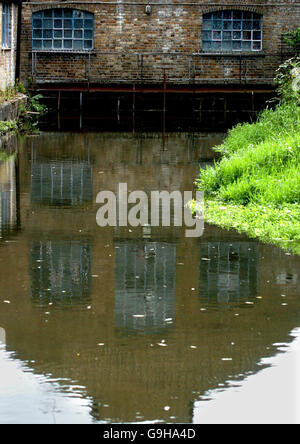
[[119, 325]]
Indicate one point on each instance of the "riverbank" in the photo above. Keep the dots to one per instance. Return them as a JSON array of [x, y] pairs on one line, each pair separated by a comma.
[[255, 187]]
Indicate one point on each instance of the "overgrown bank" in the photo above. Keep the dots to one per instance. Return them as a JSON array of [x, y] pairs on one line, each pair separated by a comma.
[[19, 111], [255, 187]]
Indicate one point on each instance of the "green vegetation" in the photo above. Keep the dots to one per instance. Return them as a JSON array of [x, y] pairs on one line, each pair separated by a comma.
[[29, 113], [255, 187]]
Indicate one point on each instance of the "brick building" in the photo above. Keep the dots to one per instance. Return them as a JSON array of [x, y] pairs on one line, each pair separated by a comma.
[[9, 25], [204, 42]]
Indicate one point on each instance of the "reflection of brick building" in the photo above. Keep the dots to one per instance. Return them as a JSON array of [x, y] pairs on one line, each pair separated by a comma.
[[9, 13], [8, 195]]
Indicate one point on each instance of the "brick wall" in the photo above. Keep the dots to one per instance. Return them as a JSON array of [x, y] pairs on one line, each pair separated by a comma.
[[8, 56], [131, 45]]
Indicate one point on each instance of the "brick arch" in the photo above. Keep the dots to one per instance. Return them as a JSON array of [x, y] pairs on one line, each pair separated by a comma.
[[213, 8]]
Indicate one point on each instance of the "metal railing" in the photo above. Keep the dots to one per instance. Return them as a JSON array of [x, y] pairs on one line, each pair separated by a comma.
[[155, 67]]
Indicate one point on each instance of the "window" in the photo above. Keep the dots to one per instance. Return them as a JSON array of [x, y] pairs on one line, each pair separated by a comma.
[[62, 30], [227, 31], [5, 34]]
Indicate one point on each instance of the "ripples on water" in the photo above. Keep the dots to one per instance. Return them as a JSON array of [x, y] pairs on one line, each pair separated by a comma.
[[111, 324]]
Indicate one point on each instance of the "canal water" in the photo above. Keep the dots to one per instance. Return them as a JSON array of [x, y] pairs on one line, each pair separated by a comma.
[[127, 324]]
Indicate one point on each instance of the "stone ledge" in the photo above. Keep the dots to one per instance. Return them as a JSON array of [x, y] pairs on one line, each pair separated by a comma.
[[11, 110]]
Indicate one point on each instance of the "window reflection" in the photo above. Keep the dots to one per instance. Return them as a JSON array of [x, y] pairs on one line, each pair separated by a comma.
[[228, 271], [60, 271], [61, 182], [145, 276]]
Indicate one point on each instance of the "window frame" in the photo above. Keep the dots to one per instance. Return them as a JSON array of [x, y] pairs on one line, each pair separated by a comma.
[[6, 19], [232, 31], [61, 29]]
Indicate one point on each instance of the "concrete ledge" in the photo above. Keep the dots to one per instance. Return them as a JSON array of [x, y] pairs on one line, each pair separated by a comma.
[[11, 110]]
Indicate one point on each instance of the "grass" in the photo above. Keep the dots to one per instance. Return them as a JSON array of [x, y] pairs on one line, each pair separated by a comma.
[[255, 187]]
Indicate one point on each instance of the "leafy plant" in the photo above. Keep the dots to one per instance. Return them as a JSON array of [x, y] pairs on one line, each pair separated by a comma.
[[293, 39]]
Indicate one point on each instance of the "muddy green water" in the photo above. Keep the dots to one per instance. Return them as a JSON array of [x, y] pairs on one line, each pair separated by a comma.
[[117, 324]]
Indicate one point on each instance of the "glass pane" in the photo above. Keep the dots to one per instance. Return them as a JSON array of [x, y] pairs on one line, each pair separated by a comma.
[[68, 13], [237, 35], [227, 14], [247, 35], [57, 44], [78, 14], [37, 23], [68, 44], [256, 35], [237, 24], [48, 24], [68, 24], [57, 34], [88, 44], [217, 35], [247, 25], [217, 24], [237, 15], [47, 34], [78, 34], [88, 24], [248, 15], [37, 44], [236, 45], [48, 13], [246, 46], [216, 46], [47, 44], [58, 12], [78, 23], [78, 44], [207, 46], [68, 34], [256, 24], [207, 25], [57, 23], [37, 33], [218, 15], [38, 14], [227, 24], [227, 35], [256, 46], [227, 46], [89, 35]]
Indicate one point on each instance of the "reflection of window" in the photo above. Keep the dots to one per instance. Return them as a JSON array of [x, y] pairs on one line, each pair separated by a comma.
[[62, 30], [5, 34], [145, 276], [60, 271], [61, 182], [232, 31], [230, 274], [8, 195]]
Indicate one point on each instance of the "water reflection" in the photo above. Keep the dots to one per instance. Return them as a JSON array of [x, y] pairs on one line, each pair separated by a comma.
[[153, 281], [8, 194], [228, 271], [61, 182], [60, 271], [145, 276]]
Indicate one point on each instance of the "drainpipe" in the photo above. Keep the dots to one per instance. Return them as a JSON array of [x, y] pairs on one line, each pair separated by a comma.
[[18, 46]]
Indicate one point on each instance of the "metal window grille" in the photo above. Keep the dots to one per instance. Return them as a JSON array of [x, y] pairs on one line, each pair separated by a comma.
[[6, 28], [62, 30], [227, 31]]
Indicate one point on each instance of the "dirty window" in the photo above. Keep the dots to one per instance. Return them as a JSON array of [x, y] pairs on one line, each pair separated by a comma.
[[6, 20], [226, 31], [62, 30]]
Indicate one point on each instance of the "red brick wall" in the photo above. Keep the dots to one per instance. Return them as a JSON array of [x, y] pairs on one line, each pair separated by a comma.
[[168, 38]]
